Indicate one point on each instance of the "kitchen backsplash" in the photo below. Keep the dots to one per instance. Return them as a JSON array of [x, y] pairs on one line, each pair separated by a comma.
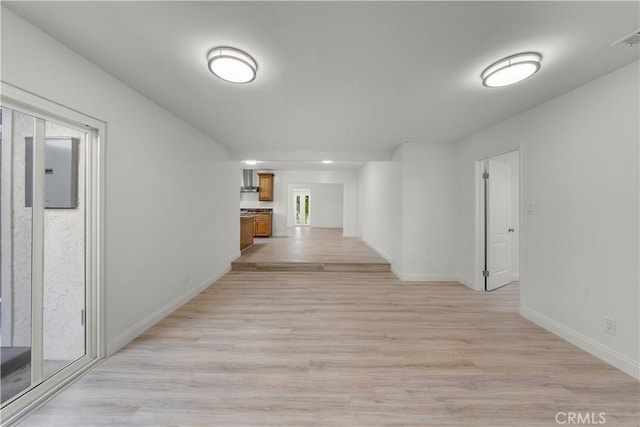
[[250, 200]]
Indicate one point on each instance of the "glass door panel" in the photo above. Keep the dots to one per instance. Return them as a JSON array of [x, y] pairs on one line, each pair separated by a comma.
[[63, 302], [302, 207], [16, 236], [43, 250]]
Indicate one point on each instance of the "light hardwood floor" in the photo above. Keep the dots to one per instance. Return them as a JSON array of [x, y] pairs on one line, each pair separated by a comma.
[[306, 244], [344, 349], [310, 249]]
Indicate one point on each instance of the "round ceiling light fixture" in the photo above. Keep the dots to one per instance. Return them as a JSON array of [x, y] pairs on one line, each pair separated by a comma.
[[512, 69], [232, 65], [327, 162]]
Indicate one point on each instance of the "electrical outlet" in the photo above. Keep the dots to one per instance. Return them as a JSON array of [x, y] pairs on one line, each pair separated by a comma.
[[608, 325]]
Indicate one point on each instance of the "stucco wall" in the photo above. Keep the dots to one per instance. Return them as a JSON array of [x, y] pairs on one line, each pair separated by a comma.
[[64, 267]]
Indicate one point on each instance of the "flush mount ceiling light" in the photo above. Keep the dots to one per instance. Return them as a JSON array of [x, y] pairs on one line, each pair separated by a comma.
[[327, 161], [251, 162], [232, 65], [512, 69]]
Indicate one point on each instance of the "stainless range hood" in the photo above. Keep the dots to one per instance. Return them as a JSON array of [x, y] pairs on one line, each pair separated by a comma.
[[247, 182]]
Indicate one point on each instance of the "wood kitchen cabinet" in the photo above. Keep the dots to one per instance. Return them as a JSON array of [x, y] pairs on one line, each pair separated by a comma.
[[246, 231], [262, 225], [265, 184]]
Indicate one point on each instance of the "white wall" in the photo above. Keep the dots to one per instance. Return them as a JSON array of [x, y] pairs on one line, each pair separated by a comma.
[[281, 181], [172, 197], [512, 158], [429, 211], [409, 212], [327, 202], [580, 247], [381, 209]]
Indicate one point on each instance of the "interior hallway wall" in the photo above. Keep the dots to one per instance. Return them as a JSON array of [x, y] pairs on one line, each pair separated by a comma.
[[381, 209], [409, 211], [172, 198], [580, 176], [327, 202], [429, 178]]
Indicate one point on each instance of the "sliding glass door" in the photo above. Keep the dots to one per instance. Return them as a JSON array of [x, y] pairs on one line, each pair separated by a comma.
[[47, 236], [16, 235]]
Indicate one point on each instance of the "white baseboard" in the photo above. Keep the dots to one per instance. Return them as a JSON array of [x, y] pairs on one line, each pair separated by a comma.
[[349, 235], [515, 277], [386, 257], [468, 283], [139, 328], [428, 277], [377, 250], [612, 357], [396, 272]]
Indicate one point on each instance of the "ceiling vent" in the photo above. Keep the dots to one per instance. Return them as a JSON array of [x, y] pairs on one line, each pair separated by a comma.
[[630, 39]]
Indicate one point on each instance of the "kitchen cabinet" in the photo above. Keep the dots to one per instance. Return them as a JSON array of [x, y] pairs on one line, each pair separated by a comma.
[[262, 225], [265, 184], [246, 231]]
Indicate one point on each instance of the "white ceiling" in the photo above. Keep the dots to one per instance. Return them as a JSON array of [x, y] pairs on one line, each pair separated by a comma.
[[304, 165], [333, 77]]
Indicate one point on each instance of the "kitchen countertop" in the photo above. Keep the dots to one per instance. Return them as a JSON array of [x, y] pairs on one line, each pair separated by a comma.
[[250, 212]]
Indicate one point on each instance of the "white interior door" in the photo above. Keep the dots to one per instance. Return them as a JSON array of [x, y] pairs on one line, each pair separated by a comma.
[[498, 241]]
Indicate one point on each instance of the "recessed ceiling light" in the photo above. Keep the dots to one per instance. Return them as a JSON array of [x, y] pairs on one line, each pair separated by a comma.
[[251, 162], [327, 161], [232, 65], [511, 69]]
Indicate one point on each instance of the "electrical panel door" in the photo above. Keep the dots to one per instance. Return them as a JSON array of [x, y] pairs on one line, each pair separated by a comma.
[[61, 172]]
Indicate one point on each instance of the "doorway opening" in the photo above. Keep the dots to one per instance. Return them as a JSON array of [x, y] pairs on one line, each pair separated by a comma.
[[302, 207], [499, 221]]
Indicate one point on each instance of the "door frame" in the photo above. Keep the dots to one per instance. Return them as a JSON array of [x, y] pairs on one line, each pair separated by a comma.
[[26, 102], [6, 273], [479, 227]]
